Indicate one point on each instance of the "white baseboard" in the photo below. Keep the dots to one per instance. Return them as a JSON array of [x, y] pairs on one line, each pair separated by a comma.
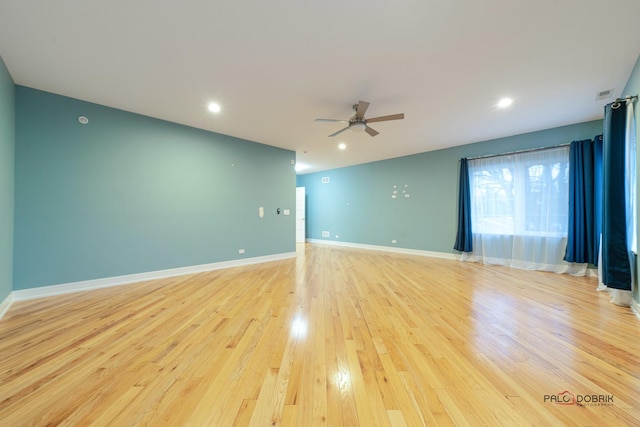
[[635, 308], [66, 288], [394, 249], [4, 305]]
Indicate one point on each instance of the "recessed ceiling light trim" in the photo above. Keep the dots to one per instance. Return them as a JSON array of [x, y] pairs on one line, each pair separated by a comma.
[[505, 102], [214, 107], [301, 166]]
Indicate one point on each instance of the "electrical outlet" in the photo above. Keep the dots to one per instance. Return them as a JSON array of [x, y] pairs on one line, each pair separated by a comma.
[[240, 251], [326, 234], [394, 241]]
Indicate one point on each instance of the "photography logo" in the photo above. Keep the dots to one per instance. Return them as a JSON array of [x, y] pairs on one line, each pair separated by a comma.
[[567, 398], [562, 398]]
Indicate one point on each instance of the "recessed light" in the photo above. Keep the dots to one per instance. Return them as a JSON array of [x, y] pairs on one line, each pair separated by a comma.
[[214, 107], [505, 102], [342, 146], [301, 166]]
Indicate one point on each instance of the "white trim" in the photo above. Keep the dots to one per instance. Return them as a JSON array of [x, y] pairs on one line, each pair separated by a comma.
[[394, 249], [635, 308], [66, 288], [4, 305]]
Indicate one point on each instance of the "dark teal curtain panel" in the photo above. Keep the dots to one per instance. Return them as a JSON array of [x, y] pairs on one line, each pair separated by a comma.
[[463, 236], [598, 144], [585, 197], [616, 271]]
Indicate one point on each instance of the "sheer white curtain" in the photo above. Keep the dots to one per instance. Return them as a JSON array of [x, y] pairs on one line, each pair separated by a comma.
[[519, 210]]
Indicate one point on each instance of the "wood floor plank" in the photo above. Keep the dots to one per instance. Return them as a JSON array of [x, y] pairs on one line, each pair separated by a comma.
[[335, 337]]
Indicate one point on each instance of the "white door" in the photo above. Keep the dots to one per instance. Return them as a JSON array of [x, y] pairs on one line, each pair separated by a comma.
[[300, 213]]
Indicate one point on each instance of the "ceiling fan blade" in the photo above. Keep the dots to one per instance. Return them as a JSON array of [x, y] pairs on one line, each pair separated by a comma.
[[370, 131], [360, 109], [385, 118], [340, 131], [332, 120]]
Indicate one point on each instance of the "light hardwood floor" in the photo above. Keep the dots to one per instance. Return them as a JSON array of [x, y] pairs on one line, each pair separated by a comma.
[[335, 337]]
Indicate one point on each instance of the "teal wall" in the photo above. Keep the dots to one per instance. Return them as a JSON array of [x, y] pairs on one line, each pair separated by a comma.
[[129, 194], [633, 88], [357, 203], [7, 147]]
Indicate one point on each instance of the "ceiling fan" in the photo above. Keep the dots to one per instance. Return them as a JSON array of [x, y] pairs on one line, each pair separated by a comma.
[[358, 123]]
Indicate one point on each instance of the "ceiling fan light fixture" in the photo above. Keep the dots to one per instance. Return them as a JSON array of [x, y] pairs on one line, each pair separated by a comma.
[[357, 127]]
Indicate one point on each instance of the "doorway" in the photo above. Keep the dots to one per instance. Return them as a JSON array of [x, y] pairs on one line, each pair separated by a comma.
[[300, 215]]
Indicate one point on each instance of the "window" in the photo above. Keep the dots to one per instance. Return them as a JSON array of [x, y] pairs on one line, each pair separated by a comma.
[[521, 194]]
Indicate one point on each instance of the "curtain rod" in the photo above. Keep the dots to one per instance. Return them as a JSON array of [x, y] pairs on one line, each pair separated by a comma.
[[618, 102], [518, 152], [626, 98]]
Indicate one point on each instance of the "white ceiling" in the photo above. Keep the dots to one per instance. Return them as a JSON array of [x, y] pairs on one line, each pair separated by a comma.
[[275, 66]]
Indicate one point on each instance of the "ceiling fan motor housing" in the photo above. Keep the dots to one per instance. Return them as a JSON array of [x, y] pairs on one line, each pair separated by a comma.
[[357, 122]]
